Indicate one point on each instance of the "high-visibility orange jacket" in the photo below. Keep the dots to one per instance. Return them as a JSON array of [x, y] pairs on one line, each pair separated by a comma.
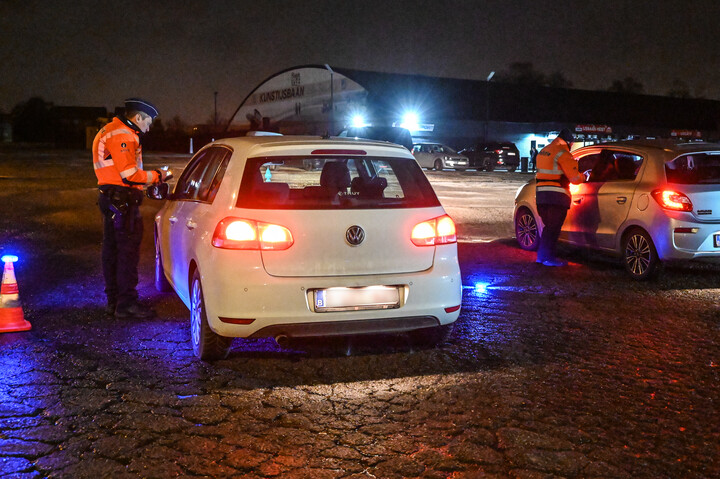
[[556, 169], [117, 156]]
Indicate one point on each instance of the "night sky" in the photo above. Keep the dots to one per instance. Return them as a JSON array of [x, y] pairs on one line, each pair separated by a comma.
[[178, 53]]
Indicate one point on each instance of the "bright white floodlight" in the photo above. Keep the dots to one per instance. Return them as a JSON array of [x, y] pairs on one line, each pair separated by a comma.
[[410, 121], [358, 121]]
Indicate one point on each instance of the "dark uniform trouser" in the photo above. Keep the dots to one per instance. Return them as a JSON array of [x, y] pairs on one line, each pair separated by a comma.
[[553, 217], [120, 254]]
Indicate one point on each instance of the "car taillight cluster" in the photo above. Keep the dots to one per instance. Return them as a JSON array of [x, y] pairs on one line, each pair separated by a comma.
[[672, 200], [239, 233], [437, 231]]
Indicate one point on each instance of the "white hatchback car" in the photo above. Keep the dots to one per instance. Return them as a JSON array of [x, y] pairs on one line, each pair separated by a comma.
[[258, 245], [439, 157], [647, 201]]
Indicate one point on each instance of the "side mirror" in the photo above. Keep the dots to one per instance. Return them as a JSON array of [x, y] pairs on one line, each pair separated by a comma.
[[158, 191]]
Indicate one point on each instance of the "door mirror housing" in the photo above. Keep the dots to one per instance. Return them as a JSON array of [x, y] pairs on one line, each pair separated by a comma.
[[158, 191]]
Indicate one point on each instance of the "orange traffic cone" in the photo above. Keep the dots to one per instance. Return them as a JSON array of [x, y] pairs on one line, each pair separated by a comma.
[[11, 313]]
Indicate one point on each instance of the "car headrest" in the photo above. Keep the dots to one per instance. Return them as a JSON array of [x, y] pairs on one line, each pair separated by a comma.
[[335, 175]]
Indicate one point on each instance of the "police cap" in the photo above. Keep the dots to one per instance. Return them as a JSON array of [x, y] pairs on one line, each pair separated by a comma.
[[566, 134], [137, 104]]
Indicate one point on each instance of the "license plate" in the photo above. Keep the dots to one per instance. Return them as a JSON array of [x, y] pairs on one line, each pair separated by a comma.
[[717, 240], [356, 299]]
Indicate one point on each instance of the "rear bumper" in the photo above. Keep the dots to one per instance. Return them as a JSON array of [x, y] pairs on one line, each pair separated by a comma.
[[694, 240], [343, 328], [274, 305], [700, 244]]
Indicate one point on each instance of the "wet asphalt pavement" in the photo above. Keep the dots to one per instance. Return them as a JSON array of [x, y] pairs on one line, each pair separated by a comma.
[[570, 372]]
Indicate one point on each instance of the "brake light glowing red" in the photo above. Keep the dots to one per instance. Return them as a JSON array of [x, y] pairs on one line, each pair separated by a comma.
[[672, 200], [338, 152], [437, 231], [239, 233]]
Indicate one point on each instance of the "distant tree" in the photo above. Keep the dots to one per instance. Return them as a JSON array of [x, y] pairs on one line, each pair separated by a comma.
[[32, 121], [558, 80], [221, 121], [522, 73], [177, 124], [679, 89], [157, 126], [628, 85]]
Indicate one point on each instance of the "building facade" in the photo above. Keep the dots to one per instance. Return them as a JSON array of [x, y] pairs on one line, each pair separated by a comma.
[[320, 99]]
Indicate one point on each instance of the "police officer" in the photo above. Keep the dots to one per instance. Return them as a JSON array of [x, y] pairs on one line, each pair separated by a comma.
[[556, 169], [117, 160]]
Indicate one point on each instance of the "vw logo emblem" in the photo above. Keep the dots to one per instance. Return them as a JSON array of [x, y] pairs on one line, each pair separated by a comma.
[[354, 235]]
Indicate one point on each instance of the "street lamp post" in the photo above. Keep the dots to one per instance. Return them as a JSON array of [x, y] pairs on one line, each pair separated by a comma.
[[332, 101], [487, 104], [216, 108]]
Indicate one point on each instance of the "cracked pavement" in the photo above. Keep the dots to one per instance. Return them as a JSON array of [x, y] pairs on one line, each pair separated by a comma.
[[570, 372]]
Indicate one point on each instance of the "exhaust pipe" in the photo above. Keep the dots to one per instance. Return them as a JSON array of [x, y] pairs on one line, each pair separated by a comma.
[[282, 340]]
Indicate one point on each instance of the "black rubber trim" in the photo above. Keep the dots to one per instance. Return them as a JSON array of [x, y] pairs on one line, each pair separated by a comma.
[[342, 328]]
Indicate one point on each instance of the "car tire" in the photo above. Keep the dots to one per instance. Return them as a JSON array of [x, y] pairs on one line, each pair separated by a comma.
[[431, 337], [161, 282], [639, 255], [438, 165], [207, 345], [527, 232], [511, 168], [489, 166]]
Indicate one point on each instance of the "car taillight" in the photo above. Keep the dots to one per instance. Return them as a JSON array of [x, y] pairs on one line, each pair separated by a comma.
[[437, 231], [672, 200], [498, 151], [239, 233]]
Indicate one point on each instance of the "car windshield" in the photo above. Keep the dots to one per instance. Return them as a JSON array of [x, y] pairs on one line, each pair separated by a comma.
[[314, 182], [447, 149], [694, 169]]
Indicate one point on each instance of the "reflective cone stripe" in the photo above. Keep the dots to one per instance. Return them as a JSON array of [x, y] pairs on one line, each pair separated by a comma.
[[9, 284], [11, 313]]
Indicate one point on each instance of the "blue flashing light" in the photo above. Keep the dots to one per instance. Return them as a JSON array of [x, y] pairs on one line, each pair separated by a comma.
[[481, 288], [9, 258]]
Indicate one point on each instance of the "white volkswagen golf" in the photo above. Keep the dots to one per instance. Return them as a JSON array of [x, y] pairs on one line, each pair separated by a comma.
[[273, 236]]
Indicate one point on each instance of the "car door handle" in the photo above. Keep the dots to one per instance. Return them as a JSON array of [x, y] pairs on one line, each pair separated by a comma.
[[621, 200], [191, 225], [577, 201], [172, 220]]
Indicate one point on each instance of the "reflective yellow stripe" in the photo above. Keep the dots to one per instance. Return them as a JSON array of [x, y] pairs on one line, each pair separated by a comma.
[[129, 172], [117, 132], [550, 172], [103, 163], [556, 189]]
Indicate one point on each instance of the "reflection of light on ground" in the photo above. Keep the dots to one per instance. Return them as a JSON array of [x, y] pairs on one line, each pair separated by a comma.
[[482, 288], [478, 288], [471, 239]]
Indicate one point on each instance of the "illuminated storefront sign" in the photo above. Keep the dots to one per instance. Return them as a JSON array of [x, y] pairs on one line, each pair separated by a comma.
[[596, 129], [686, 134]]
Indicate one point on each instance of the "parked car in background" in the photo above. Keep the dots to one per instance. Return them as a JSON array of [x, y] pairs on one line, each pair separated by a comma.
[[647, 201], [438, 157], [393, 134], [256, 245], [488, 156]]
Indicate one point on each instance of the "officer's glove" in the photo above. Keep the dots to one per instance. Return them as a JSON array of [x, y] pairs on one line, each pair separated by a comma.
[[164, 174]]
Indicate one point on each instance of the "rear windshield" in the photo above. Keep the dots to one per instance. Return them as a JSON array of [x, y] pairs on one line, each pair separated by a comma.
[[312, 182], [694, 169]]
